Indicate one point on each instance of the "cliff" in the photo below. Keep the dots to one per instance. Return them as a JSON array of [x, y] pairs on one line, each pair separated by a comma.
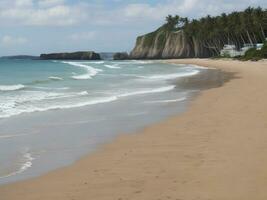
[[81, 55], [163, 44], [181, 37]]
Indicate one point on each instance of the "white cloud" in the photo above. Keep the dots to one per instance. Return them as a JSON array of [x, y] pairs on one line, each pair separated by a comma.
[[186, 8], [49, 3], [136, 10], [41, 13], [115, 25], [58, 15], [160, 10], [83, 36], [8, 40], [23, 3], [188, 4], [62, 13]]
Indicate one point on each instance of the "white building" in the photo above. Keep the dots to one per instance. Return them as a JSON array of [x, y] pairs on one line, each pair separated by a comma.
[[259, 46], [230, 50]]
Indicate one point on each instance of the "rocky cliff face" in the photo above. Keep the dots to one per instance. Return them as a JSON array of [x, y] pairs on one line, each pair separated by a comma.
[[162, 45], [81, 55]]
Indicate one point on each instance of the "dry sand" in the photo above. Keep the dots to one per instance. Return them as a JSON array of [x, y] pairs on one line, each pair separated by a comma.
[[217, 150]]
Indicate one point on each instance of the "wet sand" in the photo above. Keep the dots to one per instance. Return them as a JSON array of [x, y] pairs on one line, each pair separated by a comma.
[[215, 150]]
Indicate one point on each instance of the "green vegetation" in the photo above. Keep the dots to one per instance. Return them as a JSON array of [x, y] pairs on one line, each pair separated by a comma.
[[175, 22], [161, 40], [150, 38], [80, 55], [249, 26], [264, 50], [237, 28], [254, 54]]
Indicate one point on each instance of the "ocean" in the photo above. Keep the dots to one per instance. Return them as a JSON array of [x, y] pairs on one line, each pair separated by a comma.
[[54, 112]]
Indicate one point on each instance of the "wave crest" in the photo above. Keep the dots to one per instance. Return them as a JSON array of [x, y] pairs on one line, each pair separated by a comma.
[[55, 78], [171, 76], [148, 91], [11, 87], [112, 66], [91, 71]]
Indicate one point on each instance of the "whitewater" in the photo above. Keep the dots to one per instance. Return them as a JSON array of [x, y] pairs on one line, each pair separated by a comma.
[[81, 83]]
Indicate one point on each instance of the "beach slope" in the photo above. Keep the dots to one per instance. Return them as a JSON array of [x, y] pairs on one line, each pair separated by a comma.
[[216, 150]]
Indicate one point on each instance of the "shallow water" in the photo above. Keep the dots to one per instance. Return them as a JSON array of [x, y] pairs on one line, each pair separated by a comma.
[[53, 112]]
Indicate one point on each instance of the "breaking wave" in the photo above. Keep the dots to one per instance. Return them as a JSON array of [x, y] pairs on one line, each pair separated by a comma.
[[11, 87], [170, 76], [91, 71], [112, 66], [17, 106], [148, 91], [55, 78]]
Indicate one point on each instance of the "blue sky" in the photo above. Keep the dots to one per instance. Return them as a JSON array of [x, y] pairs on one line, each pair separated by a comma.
[[43, 26]]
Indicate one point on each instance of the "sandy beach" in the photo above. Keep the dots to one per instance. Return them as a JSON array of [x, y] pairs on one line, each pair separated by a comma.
[[216, 150]]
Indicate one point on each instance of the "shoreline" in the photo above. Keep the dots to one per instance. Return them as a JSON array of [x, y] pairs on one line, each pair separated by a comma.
[[81, 131], [215, 150]]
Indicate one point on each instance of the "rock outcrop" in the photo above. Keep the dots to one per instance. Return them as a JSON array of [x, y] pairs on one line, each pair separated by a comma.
[[80, 55], [121, 56], [162, 45]]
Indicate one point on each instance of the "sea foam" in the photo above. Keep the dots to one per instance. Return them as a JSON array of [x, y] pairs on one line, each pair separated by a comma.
[[16, 106], [148, 91], [171, 76], [13, 109], [26, 163], [112, 66], [31, 101], [11, 87], [91, 71], [55, 78], [168, 100]]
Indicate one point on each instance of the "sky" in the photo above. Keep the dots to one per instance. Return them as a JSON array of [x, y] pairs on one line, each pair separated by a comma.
[[32, 27]]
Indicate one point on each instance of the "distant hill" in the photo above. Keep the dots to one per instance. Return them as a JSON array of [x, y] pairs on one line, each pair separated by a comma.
[[80, 55], [20, 57]]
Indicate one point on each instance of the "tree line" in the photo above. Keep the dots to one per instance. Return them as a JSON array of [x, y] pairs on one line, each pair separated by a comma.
[[237, 28]]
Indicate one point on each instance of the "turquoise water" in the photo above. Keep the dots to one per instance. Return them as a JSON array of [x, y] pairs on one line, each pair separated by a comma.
[[29, 86], [53, 112]]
